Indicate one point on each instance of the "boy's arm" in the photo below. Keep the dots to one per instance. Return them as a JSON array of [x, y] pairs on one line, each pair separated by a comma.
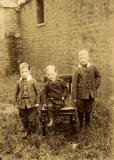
[[74, 84], [37, 90], [44, 94], [16, 92], [97, 77], [65, 90]]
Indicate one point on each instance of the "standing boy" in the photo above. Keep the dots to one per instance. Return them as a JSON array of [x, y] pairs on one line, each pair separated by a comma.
[[54, 93], [26, 97], [85, 82]]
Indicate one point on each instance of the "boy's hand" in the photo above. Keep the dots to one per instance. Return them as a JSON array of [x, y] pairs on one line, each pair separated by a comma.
[[63, 98], [74, 101], [36, 105], [44, 106], [14, 104]]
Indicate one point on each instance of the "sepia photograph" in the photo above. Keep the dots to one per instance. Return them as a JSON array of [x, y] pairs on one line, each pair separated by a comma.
[[56, 79]]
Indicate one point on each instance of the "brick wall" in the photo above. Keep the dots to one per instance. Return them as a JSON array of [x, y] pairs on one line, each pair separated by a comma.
[[3, 49], [69, 27], [13, 36], [10, 44], [1, 23], [50, 42], [11, 22]]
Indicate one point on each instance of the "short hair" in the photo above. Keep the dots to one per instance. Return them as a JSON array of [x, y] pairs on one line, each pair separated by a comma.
[[50, 68], [84, 52], [24, 65]]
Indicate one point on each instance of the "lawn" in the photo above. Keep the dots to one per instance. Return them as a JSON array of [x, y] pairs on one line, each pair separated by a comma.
[[59, 143]]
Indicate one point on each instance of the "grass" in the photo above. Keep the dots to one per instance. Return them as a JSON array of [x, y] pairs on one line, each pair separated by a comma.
[[59, 143]]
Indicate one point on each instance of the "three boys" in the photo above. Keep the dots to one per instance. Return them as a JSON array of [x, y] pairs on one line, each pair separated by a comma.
[[85, 82]]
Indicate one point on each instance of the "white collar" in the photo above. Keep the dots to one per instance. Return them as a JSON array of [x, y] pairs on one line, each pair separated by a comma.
[[28, 78], [88, 65]]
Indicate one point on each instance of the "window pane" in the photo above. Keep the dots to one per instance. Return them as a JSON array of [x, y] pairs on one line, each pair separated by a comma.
[[40, 11]]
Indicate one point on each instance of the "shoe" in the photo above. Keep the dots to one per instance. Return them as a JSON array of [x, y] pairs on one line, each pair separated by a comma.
[[50, 123]]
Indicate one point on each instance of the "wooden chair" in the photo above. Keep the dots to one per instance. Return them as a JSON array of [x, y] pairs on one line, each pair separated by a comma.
[[68, 110]]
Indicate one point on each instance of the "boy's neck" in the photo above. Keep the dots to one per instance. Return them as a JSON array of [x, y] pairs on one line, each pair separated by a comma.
[[53, 80], [86, 65], [29, 77]]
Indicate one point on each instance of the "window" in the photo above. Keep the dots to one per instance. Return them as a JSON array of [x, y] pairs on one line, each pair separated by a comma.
[[40, 11]]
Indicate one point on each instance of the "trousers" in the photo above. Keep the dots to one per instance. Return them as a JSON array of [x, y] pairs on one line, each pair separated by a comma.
[[29, 118], [84, 108], [54, 110]]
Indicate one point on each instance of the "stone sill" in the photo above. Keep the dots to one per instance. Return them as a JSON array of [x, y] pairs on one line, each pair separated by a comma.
[[40, 25]]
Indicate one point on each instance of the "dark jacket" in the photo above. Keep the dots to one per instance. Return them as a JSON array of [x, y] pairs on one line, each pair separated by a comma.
[[33, 93], [79, 83], [54, 91]]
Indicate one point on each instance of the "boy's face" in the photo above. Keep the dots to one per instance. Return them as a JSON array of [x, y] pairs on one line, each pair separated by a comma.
[[52, 75], [83, 59], [24, 73]]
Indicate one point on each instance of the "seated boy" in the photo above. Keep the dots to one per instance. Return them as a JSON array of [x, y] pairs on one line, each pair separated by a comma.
[[54, 93], [85, 82], [26, 97]]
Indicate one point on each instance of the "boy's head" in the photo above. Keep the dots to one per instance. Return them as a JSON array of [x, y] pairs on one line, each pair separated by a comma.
[[24, 70], [51, 72], [83, 57]]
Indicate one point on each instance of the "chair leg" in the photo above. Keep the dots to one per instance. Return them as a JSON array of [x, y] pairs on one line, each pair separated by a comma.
[[72, 125], [43, 126]]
